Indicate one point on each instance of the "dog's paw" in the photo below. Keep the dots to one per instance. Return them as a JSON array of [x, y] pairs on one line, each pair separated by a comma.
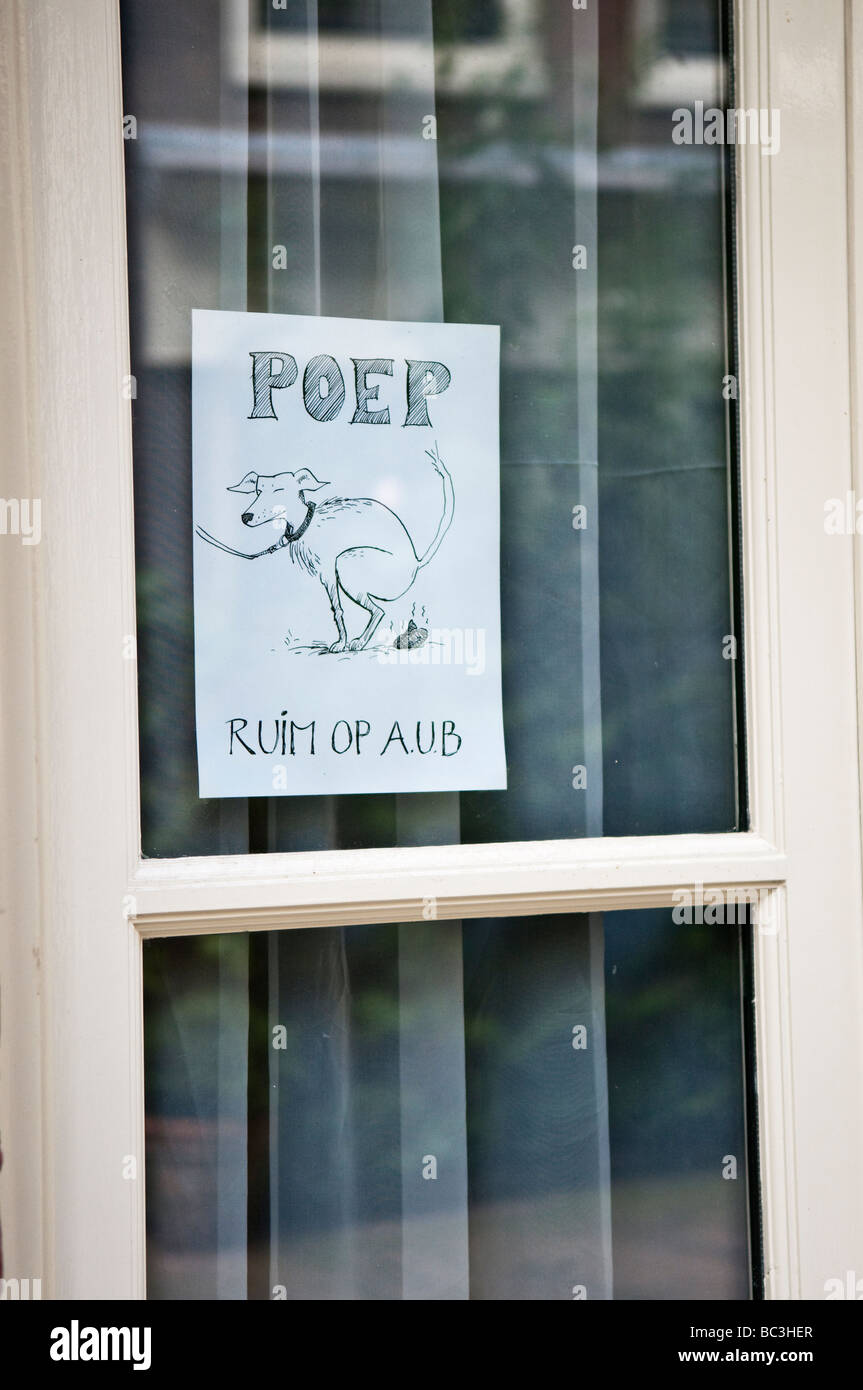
[[337, 647], [355, 645]]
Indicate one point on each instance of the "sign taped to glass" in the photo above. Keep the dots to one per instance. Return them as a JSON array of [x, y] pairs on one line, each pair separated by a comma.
[[346, 555]]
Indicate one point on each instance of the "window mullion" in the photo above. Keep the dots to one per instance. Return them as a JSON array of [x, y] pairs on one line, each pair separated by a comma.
[[261, 892]]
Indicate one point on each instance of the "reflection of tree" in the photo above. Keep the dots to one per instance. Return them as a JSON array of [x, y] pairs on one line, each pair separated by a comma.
[[169, 790], [673, 1020], [502, 237], [664, 569]]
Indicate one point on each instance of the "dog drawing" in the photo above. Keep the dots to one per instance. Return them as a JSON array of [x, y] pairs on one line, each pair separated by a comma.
[[353, 545]]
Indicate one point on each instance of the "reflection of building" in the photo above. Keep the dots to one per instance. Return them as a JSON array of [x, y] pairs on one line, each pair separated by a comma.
[[361, 47], [207, 144]]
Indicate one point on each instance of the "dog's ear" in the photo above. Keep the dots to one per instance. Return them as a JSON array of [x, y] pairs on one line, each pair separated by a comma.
[[247, 484], [307, 482]]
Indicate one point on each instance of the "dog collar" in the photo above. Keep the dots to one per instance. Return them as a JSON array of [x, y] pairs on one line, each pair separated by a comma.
[[290, 536]]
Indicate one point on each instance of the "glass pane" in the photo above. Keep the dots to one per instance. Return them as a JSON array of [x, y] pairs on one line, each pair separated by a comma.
[[538, 1108], [553, 203], [301, 127]]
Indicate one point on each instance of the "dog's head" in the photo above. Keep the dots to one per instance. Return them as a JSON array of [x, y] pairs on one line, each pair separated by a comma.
[[278, 498]]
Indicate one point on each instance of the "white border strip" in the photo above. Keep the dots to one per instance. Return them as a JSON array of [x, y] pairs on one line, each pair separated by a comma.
[[800, 641]]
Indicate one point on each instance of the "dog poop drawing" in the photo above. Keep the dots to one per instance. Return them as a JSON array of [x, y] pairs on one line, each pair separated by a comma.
[[412, 637], [355, 546]]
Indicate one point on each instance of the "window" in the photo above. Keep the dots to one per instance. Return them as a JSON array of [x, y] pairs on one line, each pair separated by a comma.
[[217, 876], [619, 673], [619, 552], [522, 1108]]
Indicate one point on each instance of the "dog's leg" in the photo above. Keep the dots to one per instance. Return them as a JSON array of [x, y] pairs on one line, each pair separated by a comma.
[[336, 605], [371, 627]]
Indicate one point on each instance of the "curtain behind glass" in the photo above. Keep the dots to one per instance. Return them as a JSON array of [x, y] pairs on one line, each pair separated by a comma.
[[536, 1106], [401, 281], [386, 1179], [401, 278], [369, 1037]]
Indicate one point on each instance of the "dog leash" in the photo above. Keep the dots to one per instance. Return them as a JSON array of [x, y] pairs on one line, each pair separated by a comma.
[[280, 544]]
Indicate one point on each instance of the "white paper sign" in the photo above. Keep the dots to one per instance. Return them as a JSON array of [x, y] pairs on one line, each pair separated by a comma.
[[346, 553]]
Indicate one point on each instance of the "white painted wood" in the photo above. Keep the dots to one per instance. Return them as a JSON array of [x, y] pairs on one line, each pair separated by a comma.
[[72, 695], [800, 640], [761, 640], [70, 114], [20, 935], [259, 892], [854, 126]]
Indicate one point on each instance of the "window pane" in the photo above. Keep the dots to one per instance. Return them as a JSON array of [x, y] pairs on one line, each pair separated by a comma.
[[527, 1108], [553, 132]]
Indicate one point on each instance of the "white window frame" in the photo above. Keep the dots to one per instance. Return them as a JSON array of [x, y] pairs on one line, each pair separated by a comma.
[[79, 900]]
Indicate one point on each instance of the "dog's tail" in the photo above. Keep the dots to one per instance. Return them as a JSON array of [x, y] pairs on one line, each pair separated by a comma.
[[448, 506]]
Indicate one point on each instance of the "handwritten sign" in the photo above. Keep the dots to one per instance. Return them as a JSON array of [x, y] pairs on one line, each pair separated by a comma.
[[346, 555]]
